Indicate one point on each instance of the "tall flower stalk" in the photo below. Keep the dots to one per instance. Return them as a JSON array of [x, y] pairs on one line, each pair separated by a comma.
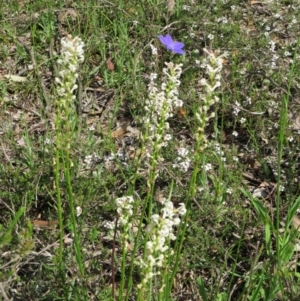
[[125, 212], [72, 55], [213, 63], [160, 105], [160, 232]]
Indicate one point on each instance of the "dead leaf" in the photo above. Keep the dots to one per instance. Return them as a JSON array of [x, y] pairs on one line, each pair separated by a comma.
[[297, 247], [21, 142], [260, 193], [131, 10], [68, 240], [137, 153], [16, 78], [159, 197], [72, 13], [44, 224], [100, 89], [252, 2], [110, 65], [117, 133], [296, 222], [133, 131], [62, 16], [296, 123], [250, 161], [128, 246], [170, 5]]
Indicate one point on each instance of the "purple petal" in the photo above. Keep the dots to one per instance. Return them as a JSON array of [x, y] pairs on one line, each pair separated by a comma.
[[177, 48], [171, 45], [167, 40]]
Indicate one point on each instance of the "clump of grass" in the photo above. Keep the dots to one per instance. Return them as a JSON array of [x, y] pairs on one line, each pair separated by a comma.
[[72, 55]]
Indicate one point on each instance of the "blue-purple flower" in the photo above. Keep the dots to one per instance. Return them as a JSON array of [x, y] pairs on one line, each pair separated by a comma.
[[172, 45]]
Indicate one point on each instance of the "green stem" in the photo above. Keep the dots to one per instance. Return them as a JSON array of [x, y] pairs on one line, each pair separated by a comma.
[[73, 215], [183, 225], [59, 206]]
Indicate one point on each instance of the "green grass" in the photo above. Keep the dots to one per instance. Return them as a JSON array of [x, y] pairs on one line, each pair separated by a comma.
[[239, 241]]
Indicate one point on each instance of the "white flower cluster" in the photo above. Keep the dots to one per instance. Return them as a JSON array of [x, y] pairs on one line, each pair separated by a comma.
[[71, 55], [89, 159], [213, 64], [153, 49], [162, 102], [160, 232], [125, 210], [208, 167], [182, 162], [218, 149]]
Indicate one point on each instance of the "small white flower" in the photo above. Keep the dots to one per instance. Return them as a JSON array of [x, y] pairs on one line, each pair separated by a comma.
[[208, 167], [155, 218], [153, 76], [153, 49], [223, 20], [242, 120], [272, 45], [236, 159], [172, 236], [210, 36], [183, 152], [109, 225], [203, 65], [186, 7], [248, 100], [168, 137], [184, 165], [181, 209], [110, 157], [88, 159], [124, 209], [149, 246], [235, 133], [229, 190], [78, 211], [236, 109], [281, 188], [178, 103], [47, 141]]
